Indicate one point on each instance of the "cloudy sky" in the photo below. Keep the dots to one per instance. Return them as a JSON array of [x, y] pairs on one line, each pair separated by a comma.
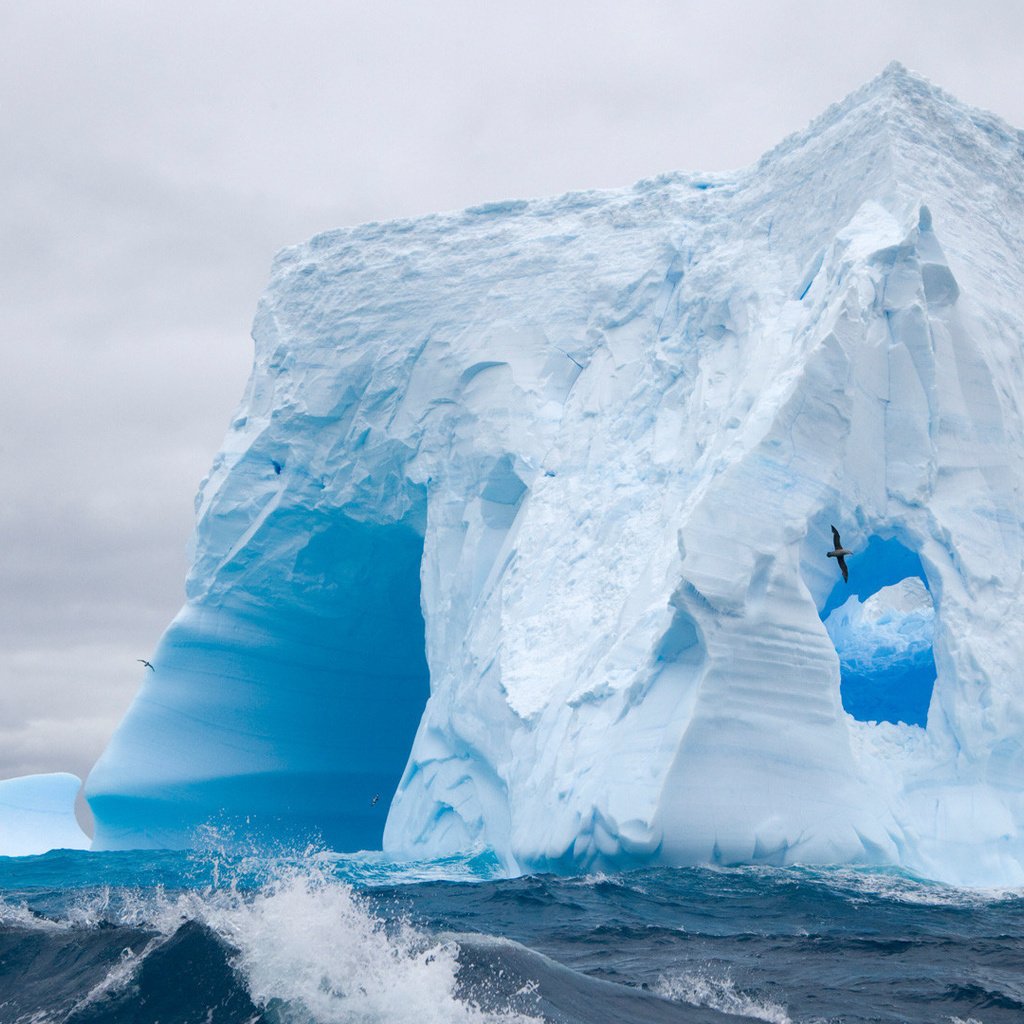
[[153, 156]]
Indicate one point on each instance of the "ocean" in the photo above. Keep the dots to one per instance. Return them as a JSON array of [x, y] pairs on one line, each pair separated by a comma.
[[311, 936]]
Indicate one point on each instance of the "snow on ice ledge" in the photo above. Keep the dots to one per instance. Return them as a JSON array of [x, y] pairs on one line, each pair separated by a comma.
[[37, 813], [518, 538]]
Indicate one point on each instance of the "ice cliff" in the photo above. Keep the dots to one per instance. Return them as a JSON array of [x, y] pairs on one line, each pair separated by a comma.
[[521, 526]]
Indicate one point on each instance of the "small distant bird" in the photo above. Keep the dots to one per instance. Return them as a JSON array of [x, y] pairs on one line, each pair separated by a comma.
[[277, 466], [146, 663], [840, 553], [374, 799]]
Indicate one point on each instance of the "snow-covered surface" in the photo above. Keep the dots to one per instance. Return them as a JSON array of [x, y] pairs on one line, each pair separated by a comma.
[[37, 813], [599, 440]]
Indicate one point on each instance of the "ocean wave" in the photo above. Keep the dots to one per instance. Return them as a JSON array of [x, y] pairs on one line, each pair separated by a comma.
[[309, 941], [304, 936], [20, 915], [899, 886], [304, 946], [704, 988], [890, 884]]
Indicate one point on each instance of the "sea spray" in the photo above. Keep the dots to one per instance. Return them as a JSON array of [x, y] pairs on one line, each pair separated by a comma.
[[704, 988], [309, 945], [277, 934]]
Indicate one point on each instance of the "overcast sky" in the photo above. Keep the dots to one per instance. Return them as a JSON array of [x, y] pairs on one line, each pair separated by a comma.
[[153, 156]]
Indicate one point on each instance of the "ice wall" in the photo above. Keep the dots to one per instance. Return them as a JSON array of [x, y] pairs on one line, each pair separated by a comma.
[[598, 442]]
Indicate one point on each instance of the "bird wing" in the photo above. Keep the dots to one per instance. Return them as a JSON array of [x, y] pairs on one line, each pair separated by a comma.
[[842, 565], [835, 538]]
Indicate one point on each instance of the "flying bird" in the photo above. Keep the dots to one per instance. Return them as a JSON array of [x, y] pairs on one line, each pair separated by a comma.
[[840, 553], [146, 663], [373, 801]]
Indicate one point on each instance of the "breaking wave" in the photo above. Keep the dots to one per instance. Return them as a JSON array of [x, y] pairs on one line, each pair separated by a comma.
[[303, 947], [321, 938]]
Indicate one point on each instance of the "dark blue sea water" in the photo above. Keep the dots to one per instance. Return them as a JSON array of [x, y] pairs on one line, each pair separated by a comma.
[[317, 937]]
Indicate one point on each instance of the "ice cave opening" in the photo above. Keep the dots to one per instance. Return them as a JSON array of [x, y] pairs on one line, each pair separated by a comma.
[[291, 702], [356, 589], [882, 624]]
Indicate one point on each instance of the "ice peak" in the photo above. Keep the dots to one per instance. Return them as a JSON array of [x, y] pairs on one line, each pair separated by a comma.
[[896, 69], [914, 110], [896, 89], [896, 77], [899, 141]]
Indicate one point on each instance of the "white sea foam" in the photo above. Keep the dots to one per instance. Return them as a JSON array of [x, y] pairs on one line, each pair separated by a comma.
[[310, 946], [309, 943], [18, 915], [303, 941], [900, 888], [703, 988]]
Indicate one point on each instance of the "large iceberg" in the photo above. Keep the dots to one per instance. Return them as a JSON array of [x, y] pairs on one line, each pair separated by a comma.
[[37, 814], [518, 540]]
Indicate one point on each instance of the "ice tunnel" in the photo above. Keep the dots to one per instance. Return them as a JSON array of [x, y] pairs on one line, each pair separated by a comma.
[[292, 690], [882, 625]]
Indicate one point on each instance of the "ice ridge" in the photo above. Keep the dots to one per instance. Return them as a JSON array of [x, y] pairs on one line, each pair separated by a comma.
[[517, 541]]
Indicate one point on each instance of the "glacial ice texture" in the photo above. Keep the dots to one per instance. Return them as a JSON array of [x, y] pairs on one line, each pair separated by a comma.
[[37, 814], [521, 525]]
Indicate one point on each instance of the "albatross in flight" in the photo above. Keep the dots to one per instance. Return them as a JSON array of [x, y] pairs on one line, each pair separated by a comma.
[[840, 553], [146, 663]]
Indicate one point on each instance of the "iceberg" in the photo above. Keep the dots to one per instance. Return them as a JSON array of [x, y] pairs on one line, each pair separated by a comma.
[[518, 539], [37, 814]]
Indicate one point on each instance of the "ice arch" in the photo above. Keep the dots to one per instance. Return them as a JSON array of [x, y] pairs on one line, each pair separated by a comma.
[[882, 626], [295, 697]]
